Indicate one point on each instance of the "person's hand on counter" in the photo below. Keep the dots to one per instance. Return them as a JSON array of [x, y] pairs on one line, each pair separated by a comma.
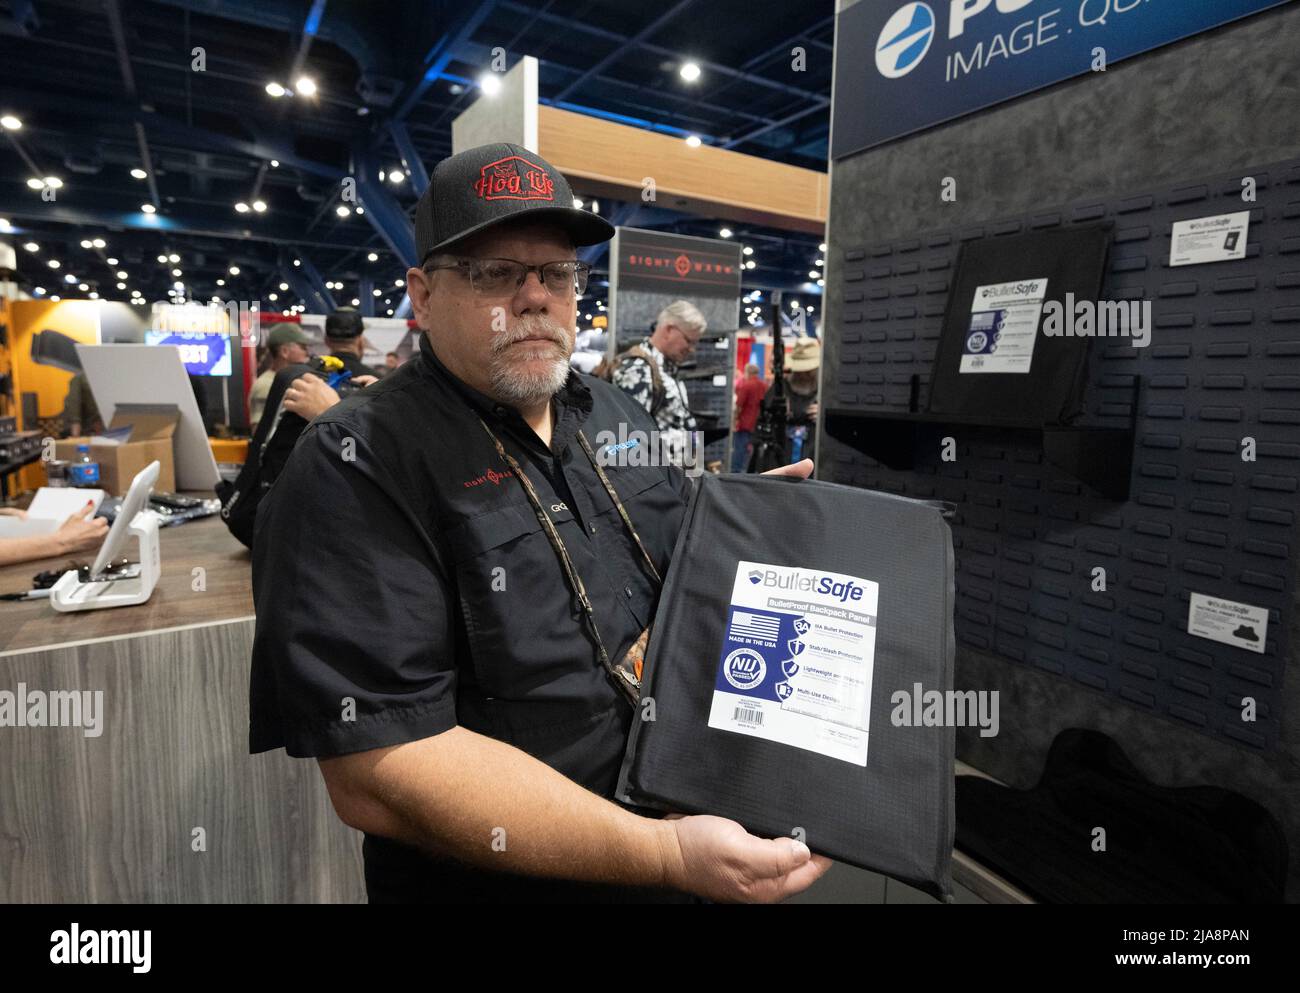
[[77, 534], [309, 396], [14, 512]]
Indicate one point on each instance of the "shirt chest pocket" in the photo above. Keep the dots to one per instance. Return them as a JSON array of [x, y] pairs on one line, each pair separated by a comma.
[[522, 624]]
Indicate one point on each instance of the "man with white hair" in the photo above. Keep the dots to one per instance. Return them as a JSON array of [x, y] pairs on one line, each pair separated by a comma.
[[451, 586], [648, 372]]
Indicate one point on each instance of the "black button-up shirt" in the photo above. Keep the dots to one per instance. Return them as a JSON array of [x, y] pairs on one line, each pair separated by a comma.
[[403, 584]]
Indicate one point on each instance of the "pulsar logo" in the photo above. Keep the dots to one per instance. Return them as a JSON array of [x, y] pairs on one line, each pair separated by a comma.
[[514, 178], [904, 40], [744, 668]]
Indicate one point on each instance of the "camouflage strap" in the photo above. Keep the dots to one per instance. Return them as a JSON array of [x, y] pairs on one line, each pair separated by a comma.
[[626, 674]]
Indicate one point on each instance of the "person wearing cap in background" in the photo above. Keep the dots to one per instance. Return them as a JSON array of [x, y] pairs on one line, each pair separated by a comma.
[[801, 370], [287, 345], [455, 651], [345, 338]]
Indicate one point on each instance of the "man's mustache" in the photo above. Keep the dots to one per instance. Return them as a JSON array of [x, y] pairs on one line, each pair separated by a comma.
[[531, 329]]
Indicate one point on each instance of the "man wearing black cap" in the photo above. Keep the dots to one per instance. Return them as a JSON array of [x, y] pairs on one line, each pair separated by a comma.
[[446, 614], [345, 338]]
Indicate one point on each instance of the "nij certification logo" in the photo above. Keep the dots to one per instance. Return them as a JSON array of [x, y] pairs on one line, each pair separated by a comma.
[[744, 668], [904, 40]]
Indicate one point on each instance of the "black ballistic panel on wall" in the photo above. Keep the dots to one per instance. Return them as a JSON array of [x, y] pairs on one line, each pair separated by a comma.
[[1064, 260], [1222, 368]]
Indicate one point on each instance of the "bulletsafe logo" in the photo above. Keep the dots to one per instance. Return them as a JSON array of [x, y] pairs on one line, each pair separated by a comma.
[[904, 40]]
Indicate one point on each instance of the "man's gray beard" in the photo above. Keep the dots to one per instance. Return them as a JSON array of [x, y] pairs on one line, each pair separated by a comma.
[[517, 388]]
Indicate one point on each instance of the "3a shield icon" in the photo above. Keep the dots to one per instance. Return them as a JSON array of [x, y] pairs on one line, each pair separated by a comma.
[[795, 646], [784, 691], [801, 625], [789, 667]]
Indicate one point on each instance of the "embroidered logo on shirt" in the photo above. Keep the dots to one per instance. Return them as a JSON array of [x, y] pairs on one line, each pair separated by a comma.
[[491, 476]]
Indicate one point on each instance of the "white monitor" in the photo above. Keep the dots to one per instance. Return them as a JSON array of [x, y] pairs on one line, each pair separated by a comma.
[[136, 500], [153, 374]]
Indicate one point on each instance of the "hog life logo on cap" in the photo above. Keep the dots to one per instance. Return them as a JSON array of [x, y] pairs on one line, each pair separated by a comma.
[[514, 178]]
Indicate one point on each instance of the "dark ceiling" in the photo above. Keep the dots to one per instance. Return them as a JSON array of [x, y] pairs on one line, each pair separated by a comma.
[[178, 89]]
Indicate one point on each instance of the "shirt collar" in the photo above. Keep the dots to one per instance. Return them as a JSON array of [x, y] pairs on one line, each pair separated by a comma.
[[572, 401], [667, 364]]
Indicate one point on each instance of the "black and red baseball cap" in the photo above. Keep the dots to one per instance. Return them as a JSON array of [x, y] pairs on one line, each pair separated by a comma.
[[492, 184]]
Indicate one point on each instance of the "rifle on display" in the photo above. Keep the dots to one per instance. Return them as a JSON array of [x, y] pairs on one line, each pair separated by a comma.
[[771, 447]]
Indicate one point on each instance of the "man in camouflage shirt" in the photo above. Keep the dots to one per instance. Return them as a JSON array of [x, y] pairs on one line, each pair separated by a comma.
[[677, 331]]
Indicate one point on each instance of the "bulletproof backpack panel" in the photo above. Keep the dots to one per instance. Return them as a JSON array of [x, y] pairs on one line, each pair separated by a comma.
[[783, 599]]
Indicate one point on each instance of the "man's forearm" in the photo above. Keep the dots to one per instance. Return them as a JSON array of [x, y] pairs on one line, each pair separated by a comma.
[[494, 806]]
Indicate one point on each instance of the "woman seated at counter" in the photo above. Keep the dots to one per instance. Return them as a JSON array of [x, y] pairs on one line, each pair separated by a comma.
[[76, 534]]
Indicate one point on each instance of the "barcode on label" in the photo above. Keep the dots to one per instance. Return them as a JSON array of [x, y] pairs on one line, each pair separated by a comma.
[[746, 714]]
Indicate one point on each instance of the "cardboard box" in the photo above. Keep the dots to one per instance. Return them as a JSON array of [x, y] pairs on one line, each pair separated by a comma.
[[152, 437]]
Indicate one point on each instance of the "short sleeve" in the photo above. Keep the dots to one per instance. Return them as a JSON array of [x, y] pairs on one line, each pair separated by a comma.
[[354, 644], [633, 377]]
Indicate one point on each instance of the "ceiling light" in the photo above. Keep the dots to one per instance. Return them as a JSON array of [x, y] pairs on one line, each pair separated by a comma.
[[39, 291], [273, 296], [748, 250], [297, 262], [361, 210], [275, 89], [750, 264], [111, 261], [689, 72], [31, 246], [139, 174], [94, 295], [178, 285], [306, 86], [377, 292], [241, 207], [372, 257], [259, 206], [577, 202], [173, 257], [595, 207], [121, 286], [35, 184], [821, 247], [85, 242], [489, 83], [821, 282], [99, 243], [176, 272], [221, 282], [342, 211], [56, 297], [83, 287], [820, 262], [395, 176], [54, 182], [356, 302], [693, 140], [234, 270], [275, 163], [53, 263], [121, 274], [284, 286], [724, 232], [148, 208], [69, 278], [390, 311], [10, 123], [398, 282]]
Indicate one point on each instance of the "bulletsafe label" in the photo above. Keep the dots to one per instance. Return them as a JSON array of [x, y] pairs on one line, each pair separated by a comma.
[[797, 659], [1003, 327], [1228, 622], [1209, 239]]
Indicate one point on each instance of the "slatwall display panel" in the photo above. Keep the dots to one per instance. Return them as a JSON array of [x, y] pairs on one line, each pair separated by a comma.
[[1223, 364]]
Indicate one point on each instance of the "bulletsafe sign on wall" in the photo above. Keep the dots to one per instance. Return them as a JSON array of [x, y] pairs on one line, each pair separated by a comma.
[[901, 67]]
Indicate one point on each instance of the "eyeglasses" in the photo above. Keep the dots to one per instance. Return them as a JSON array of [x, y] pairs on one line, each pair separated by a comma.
[[685, 337], [503, 277]]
